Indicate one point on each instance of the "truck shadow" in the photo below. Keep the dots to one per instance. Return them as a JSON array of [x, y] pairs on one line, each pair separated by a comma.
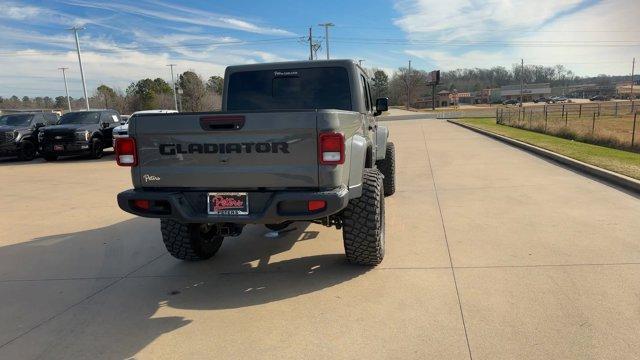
[[147, 284]]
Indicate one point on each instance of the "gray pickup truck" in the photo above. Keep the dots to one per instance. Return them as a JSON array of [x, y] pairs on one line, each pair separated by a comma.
[[295, 141]]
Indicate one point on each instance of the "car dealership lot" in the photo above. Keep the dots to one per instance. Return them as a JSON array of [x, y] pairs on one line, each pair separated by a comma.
[[491, 253]]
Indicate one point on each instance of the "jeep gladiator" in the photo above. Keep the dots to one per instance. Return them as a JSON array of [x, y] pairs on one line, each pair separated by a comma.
[[295, 141]]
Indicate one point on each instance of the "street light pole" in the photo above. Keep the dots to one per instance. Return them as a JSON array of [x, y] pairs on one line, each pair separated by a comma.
[[633, 69], [409, 85], [175, 95], [66, 89], [84, 84], [326, 35], [521, 80]]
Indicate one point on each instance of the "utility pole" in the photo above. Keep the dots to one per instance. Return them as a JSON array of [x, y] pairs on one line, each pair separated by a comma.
[[310, 45], [633, 69], [66, 89], [84, 84], [409, 85], [521, 81], [173, 81], [326, 35]]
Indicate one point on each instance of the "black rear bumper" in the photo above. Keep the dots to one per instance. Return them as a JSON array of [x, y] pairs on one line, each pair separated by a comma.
[[265, 207]]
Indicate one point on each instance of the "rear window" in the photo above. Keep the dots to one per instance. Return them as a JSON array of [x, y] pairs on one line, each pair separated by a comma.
[[290, 89]]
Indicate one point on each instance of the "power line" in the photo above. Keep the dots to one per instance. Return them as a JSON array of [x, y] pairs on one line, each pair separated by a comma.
[[326, 35]]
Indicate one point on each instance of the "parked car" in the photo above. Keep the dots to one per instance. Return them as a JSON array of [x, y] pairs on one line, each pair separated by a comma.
[[559, 99], [599, 98], [79, 133], [19, 133], [543, 100], [123, 130], [295, 141], [511, 102]]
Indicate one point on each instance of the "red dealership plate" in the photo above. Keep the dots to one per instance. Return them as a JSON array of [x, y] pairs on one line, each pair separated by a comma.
[[236, 203]]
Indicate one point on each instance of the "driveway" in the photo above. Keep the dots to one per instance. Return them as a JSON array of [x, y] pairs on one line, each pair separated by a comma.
[[492, 253]]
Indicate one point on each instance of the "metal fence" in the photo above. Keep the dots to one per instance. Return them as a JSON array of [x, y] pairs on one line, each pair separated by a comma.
[[611, 124]]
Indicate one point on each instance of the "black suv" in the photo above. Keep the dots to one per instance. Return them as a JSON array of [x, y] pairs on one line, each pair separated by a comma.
[[79, 133], [19, 133]]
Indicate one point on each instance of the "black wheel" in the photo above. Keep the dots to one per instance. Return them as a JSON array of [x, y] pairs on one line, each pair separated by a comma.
[[27, 151], [278, 227], [191, 242], [387, 167], [50, 157], [97, 149], [363, 222]]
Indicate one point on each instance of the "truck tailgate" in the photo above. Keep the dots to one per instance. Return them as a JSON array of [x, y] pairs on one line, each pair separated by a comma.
[[232, 151]]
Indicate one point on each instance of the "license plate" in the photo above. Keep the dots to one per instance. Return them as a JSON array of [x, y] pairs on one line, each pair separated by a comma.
[[228, 203], [58, 147]]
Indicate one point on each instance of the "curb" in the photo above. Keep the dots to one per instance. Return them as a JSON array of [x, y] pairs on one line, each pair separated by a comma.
[[610, 177]]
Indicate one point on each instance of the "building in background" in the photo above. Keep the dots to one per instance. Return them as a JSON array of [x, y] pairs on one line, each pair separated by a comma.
[[585, 91], [624, 90], [529, 92]]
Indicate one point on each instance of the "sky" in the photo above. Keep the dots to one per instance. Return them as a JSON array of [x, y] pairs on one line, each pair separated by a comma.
[[124, 41]]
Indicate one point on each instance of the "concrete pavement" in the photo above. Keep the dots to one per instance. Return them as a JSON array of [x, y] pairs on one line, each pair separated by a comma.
[[492, 253]]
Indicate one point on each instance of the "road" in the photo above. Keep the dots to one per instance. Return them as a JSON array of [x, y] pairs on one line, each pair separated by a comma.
[[492, 253]]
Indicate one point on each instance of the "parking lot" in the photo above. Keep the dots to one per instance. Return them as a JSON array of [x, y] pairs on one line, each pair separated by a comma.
[[492, 253]]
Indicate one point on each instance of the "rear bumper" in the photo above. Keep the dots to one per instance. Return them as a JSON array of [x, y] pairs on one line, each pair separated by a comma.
[[265, 207]]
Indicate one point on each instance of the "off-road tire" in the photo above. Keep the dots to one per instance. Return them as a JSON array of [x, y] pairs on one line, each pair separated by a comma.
[[363, 222], [97, 148], [387, 167], [27, 151], [188, 241], [50, 157]]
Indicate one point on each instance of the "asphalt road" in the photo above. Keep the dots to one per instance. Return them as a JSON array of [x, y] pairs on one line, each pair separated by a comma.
[[492, 253]]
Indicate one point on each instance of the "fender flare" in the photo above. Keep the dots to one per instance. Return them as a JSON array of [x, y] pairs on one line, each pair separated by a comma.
[[382, 135], [359, 149]]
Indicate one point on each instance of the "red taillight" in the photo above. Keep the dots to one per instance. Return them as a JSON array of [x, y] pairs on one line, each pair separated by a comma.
[[315, 205], [126, 152], [142, 204], [331, 148]]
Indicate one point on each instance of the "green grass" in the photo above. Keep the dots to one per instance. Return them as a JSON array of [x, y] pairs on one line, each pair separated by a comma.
[[622, 162]]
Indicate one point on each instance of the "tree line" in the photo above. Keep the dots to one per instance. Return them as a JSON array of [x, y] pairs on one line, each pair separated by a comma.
[[403, 81], [194, 94]]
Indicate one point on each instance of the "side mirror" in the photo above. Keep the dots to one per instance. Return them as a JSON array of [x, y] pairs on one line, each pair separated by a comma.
[[122, 122], [105, 125], [382, 104], [39, 125]]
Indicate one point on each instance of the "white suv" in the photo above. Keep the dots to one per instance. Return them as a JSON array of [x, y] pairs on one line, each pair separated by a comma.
[[123, 130]]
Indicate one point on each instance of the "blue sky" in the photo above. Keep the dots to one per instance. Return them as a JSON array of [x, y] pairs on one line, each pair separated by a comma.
[[125, 41]]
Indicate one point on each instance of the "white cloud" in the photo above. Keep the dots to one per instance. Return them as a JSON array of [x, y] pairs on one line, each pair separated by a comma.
[[182, 14], [468, 19], [15, 11], [510, 30]]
